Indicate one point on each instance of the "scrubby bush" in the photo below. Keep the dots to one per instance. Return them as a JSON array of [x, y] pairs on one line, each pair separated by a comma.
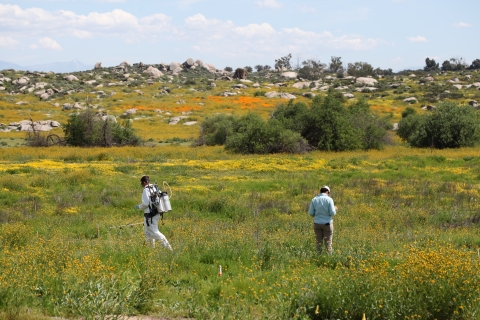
[[448, 126], [214, 130], [88, 130], [253, 135]]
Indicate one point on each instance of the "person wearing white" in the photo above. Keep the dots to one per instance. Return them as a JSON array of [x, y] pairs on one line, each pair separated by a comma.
[[150, 226]]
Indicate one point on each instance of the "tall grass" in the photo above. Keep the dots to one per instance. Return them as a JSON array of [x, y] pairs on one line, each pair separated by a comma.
[[405, 243]]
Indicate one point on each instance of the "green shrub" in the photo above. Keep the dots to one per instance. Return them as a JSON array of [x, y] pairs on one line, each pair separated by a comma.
[[251, 134], [449, 126], [88, 130]]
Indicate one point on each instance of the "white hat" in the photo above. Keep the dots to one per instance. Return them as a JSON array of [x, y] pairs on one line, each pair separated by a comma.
[[326, 187]]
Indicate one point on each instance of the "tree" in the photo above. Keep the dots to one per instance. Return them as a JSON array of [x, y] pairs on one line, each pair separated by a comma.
[[335, 64], [446, 66], [430, 65], [248, 68], [458, 63], [448, 126], [328, 126], [215, 130], [383, 72], [88, 130], [370, 129], [252, 135], [312, 69], [475, 64], [283, 62], [267, 67], [259, 68], [360, 69], [229, 69]]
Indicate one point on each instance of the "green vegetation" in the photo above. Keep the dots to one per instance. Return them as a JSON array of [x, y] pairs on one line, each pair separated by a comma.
[[448, 126], [405, 241], [88, 130]]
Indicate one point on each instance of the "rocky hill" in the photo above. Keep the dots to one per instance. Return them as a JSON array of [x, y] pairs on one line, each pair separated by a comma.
[[167, 101]]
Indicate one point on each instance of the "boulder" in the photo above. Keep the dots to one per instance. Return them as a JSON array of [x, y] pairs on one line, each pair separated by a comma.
[[209, 67], [430, 79], [67, 106], [458, 86], [125, 64], [189, 63], [98, 65], [109, 118], [283, 95], [240, 73], [289, 75], [22, 81], [473, 103], [44, 96], [175, 120], [410, 100], [239, 86], [131, 111], [173, 66], [189, 123], [228, 94], [367, 81], [71, 77], [366, 89], [301, 85], [153, 72], [348, 95], [199, 62]]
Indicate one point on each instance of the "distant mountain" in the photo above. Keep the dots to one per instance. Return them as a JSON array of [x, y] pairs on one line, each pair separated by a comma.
[[57, 67], [8, 65]]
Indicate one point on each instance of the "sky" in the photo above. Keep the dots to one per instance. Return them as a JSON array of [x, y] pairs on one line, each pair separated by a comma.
[[397, 34]]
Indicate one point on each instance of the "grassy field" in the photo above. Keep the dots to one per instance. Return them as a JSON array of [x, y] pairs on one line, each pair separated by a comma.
[[407, 232], [406, 237]]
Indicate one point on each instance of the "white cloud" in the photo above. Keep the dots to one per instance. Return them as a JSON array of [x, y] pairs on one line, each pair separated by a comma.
[[39, 22], [462, 25], [8, 42], [217, 36], [47, 43], [255, 30], [306, 9], [268, 4], [417, 39]]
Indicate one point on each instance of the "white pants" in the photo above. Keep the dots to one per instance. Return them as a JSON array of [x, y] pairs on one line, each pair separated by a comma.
[[152, 233]]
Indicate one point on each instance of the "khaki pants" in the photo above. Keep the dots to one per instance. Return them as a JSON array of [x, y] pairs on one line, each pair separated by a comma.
[[323, 236]]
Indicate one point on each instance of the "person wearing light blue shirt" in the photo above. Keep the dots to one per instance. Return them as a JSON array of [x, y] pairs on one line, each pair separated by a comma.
[[322, 209]]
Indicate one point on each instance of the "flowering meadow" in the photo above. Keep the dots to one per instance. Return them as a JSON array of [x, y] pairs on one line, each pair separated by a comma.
[[406, 240]]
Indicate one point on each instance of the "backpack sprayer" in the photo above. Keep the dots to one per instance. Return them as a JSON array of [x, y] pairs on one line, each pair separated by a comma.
[[159, 201]]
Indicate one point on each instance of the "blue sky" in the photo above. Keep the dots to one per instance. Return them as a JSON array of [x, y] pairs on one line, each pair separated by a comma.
[[395, 34]]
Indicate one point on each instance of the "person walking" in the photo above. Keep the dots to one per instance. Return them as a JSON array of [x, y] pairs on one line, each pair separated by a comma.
[[150, 226], [322, 209]]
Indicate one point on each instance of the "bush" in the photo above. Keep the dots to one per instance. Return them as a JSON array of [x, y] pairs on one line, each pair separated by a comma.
[[214, 130], [88, 130], [449, 126], [252, 135]]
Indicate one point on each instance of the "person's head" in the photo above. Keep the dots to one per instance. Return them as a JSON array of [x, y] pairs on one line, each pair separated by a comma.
[[145, 180], [325, 189]]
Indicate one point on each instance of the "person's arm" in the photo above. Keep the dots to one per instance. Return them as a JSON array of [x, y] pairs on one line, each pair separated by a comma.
[[332, 208], [145, 200], [311, 210]]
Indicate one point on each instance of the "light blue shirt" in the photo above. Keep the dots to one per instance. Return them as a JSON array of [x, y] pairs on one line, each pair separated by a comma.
[[322, 209]]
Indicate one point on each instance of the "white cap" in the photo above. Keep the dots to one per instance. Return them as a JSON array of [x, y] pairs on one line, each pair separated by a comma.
[[326, 187]]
